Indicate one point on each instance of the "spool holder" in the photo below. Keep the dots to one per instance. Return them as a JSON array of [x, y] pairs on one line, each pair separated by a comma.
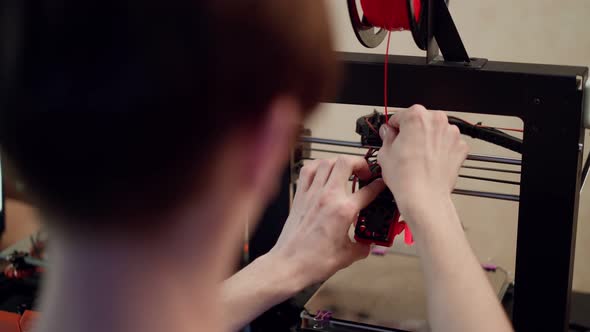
[[434, 31], [367, 34]]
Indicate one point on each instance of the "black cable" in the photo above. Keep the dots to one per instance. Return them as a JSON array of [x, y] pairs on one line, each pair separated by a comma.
[[488, 134], [368, 128]]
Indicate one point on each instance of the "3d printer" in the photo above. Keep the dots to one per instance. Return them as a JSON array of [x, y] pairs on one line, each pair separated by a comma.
[[454, 81]]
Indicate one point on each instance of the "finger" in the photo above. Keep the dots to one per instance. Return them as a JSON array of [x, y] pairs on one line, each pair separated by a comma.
[[360, 251], [401, 118], [394, 120], [323, 173], [463, 151], [454, 131], [367, 194], [306, 175], [388, 134], [345, 167], [441, 118]]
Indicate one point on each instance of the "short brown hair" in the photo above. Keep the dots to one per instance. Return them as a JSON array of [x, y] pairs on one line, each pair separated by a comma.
[[112, 104]]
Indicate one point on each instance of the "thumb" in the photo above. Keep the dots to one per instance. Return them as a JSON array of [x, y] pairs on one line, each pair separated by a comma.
[[367, 194], [360, 251], [388, 134]]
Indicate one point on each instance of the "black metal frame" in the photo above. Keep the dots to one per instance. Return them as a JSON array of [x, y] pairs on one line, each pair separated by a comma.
[[549, 101]]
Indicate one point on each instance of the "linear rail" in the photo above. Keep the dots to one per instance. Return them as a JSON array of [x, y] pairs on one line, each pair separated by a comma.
[[472, 157]]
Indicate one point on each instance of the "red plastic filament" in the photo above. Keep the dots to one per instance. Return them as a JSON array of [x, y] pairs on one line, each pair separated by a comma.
[[390, 14]]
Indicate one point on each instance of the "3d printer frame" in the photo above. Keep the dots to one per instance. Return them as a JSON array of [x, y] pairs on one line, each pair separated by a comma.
[[549, 99]]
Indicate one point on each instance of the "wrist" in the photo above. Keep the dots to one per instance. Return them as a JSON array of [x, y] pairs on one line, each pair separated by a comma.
[[285, 274], [428, 209], [434, 223]]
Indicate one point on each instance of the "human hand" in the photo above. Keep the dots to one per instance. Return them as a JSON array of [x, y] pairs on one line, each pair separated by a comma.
[[420, 158], [315, 237]]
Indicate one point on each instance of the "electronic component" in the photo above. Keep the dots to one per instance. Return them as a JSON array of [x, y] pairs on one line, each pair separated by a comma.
[[368, 128], [379, 222], [375, 224], [21, 271]]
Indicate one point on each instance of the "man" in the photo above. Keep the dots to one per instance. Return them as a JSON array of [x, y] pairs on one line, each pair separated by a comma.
[[148, 131]]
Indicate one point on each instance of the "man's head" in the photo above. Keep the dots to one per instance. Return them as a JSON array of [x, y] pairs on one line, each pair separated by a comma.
[[125, 110]]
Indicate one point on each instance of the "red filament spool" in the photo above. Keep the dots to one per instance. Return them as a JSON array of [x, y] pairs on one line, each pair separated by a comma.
[[391, 15]]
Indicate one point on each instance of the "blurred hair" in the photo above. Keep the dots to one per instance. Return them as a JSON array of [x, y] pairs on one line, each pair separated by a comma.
[[110, 109]]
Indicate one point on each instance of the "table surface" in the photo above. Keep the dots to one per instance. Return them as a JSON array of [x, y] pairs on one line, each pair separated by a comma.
[[386, 291]]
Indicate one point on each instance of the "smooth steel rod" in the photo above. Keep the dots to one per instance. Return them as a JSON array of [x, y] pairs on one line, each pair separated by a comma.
[[499, 170], [491, 169], [334, 142], [336, 152], [472, 157], [485, 194], [494, 159], [466, 177], [516, 183]]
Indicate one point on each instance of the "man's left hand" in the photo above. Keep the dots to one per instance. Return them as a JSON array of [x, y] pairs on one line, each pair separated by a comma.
[[315, 238]]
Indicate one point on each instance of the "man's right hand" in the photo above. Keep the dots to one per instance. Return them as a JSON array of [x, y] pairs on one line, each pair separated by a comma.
[[420, 158], [420, 161]]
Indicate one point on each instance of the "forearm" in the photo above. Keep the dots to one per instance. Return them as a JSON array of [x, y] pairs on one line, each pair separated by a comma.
[[264, 283], [460, 297]]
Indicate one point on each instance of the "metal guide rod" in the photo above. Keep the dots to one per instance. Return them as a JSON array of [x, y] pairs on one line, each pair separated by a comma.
[[500, 170], [317, 324], [307, 139], [516, 183], [491, 169], [494, 159], [336, 152], [485, 194], [470, 177], [489, 159]]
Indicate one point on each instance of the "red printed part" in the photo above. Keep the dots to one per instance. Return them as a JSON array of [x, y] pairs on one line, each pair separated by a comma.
[[402, 226], [397, 227], [390, 236], [408, 237], [379, 243], [9, 322]]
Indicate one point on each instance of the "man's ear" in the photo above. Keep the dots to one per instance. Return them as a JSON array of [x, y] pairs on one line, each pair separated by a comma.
[[271, 145]]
